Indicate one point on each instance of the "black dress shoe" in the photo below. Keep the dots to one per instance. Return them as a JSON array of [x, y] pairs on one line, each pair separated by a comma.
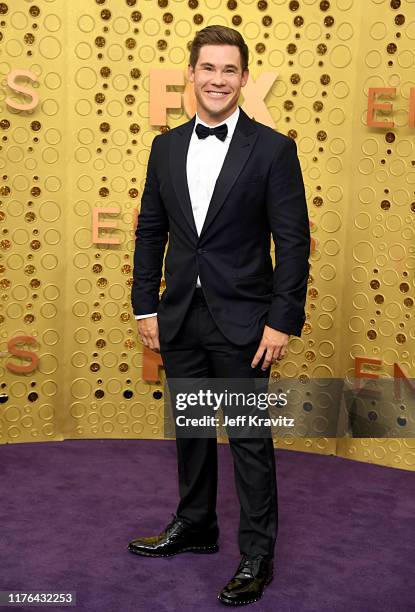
[[176, 538], [253, 574]]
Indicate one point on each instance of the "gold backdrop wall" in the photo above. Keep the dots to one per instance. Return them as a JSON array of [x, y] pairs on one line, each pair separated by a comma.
[[65, 298]]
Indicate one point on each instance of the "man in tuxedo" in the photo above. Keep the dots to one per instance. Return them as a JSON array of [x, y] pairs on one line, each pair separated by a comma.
[[217, 188]]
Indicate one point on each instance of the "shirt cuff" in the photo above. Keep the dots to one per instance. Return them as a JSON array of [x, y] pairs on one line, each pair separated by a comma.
[[145, 315]]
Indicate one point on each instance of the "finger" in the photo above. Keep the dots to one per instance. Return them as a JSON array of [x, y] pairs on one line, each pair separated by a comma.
[[157, 347], [268, 358], [279, 354], [145, 343], [151, 340], [145, 339], [154, 343], [283, 352], [258, 355]]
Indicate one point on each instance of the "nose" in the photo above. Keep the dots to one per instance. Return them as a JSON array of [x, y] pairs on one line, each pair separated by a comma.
[[218, 78]]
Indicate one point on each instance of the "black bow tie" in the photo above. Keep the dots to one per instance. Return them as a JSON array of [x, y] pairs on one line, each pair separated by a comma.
[[220, 131]]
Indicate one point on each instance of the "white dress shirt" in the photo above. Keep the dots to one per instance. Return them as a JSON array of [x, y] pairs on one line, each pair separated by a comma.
[[205, 158]]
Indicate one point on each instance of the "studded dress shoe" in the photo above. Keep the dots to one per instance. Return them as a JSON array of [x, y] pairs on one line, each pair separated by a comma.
[[253, 574], [176, 538]]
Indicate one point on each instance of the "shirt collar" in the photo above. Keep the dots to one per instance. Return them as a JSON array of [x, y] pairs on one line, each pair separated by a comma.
[[231, 122]]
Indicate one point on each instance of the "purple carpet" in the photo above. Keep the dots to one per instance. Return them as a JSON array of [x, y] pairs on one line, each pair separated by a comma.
[[68, 510]]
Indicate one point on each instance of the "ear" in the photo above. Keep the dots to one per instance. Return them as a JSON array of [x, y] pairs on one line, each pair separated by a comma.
[[190, 73], [244, 79]]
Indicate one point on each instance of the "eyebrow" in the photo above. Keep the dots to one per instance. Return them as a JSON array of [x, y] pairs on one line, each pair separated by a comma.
[[226, 65]]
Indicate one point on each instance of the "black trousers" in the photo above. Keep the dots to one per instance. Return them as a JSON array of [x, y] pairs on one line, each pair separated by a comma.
[[200, 350]]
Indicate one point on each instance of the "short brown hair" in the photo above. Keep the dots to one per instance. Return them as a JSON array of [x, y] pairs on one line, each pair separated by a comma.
[[218, 35]]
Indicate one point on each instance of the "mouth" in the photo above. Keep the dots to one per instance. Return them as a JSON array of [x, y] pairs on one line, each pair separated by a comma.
[[216, 94]]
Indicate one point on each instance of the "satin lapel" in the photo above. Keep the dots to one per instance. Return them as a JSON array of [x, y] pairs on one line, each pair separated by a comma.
[[240, 148], [180, 139]]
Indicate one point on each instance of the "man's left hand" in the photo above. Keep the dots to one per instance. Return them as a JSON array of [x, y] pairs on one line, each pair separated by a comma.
[[273, 344]]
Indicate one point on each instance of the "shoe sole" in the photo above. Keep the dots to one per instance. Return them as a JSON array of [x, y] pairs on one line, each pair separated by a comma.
[[203, 550], [228, 602]]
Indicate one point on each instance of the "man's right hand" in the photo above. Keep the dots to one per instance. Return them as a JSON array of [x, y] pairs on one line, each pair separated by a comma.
[[148, 331]]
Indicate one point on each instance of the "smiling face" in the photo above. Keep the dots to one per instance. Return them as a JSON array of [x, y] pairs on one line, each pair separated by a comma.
[[217, 79]]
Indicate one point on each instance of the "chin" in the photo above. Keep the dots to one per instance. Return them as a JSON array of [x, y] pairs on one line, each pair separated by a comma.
[[217, 110]]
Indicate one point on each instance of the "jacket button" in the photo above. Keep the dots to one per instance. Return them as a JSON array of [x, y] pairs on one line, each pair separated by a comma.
[[200, 251]]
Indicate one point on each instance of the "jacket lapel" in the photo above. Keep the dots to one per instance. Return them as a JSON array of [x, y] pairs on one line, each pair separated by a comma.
[[178, 156], [240, 148]]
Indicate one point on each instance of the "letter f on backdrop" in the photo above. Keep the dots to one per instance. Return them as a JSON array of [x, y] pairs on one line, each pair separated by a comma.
[[161, 98]]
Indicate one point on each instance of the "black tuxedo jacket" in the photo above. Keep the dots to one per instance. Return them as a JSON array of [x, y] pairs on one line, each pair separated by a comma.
[[259, 192]]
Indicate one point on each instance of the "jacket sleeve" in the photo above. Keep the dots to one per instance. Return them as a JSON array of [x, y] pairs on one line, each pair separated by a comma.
[[150, 242], [288, 219]]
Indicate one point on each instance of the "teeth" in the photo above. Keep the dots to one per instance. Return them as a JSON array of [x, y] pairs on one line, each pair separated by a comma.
[[217, 93]]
